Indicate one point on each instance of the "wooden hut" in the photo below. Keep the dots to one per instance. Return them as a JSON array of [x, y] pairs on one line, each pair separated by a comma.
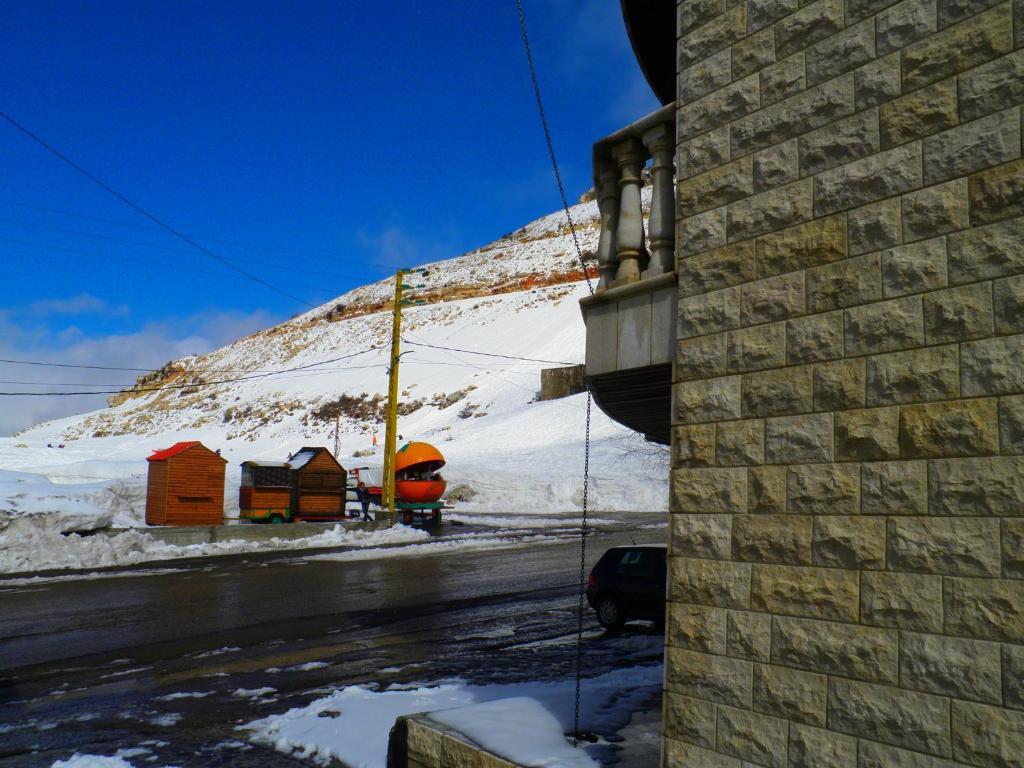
[[186, 486], [318, 485], [265, 492]]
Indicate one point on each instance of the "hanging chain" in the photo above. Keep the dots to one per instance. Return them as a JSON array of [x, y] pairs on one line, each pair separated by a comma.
[[551, 146]]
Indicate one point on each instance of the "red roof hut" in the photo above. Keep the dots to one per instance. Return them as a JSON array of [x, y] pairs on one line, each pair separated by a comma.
[[186, 486]]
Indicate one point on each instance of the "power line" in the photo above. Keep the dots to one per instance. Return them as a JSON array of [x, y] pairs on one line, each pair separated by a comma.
[[486, 354], [54, 151]]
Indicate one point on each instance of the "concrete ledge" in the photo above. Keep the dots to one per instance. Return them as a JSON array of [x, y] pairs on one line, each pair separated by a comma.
[[416, 741], [207, 534]]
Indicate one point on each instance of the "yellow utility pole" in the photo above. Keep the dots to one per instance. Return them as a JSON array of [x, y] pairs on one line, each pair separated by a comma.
[[387, 501]]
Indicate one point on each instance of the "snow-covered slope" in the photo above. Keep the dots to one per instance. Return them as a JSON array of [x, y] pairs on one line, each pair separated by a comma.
[[264, 396]]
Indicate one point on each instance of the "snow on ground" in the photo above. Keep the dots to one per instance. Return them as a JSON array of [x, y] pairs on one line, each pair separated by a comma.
[[352, 724], [92, 761]]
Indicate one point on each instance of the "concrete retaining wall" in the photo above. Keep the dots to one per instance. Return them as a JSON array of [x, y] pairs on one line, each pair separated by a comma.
[[206, 534], [416, 741]]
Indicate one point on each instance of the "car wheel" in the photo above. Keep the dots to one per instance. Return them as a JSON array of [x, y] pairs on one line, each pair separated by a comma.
[[609, 612]]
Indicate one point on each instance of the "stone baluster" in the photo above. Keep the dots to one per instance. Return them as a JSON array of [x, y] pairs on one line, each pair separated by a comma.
[[608, 204], [629, 234], [660, 142]]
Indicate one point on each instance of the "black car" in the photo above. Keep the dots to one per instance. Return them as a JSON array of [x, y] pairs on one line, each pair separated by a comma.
[[628, 583]]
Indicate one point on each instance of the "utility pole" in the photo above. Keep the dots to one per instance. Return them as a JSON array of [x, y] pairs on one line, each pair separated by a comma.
[[387, 501], [337, 435]]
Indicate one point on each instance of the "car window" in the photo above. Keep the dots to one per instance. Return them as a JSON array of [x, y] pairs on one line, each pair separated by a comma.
[[634, 561]]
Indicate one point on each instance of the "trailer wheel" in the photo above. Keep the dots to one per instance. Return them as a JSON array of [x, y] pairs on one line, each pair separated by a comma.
[[275, 520], [407, 518]]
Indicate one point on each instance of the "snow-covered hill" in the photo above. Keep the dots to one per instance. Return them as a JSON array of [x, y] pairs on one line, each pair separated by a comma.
[[266, 395]]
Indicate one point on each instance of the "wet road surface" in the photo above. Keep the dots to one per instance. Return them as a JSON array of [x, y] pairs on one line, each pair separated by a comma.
[[94, 665]]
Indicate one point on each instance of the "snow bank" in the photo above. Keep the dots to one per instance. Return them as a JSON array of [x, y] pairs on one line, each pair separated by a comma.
[[92, 761], [352, 724]]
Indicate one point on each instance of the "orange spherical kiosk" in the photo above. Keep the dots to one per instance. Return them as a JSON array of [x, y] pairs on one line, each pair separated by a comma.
[[417, 474]]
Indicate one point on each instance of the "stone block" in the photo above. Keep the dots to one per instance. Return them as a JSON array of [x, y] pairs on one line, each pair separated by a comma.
[[692, 756], [844, 283], [819, 748], [870, 434], [718, 33], [716, 187], [875, 755], [949, 666], [797, 114], [740, 443], [858, 9], [845, 141], [990, 609], [762, 13], [749, 635], [777, 539], [839, 385], [989, 736], [935, 210], [823, 489], [722, 490], [700, 357], [856, 543], [989, 486], [777, 392], [972, 146], [904, 23], [690, 719], [812, 23], [863, 653], [720, 107], [872, 178], [958, 48], [700, 233], [708, 400], [766, 490], [710, 582], [986, 252], [696, 628], [877, 82], [753, 53], [721, 268], [804, 438], [953, 11], [776, 166], [894, 488], [991, 87], [697, 13], [953, 428], [958, 314], [874, 226], [992, 366], [694, 446], [914, 268], [697, 535], [814, 339], [709, 312], [703, 152], [817, 242], [1013, 675], [751, 349], [752, 736], [773, 298], [712, 678], [1008, 297], [1011, 424], [920, 113], [1013, 554], [947, 546], [814, 593], [997, 193], [885, 326], [771, 210], [783, 79], [790, 693], [705, 76], [901, 600], [914, 376], [841, 52], [918, 721]]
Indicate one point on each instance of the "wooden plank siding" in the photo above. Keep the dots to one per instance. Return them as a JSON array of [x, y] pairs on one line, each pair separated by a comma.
[[192, 491], [156, 493], [321, 486]]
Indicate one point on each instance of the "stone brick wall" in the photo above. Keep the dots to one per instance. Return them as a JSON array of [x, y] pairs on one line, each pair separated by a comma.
[[847, 539]]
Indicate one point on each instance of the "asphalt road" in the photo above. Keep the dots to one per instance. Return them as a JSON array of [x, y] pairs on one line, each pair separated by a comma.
[[84, 664]]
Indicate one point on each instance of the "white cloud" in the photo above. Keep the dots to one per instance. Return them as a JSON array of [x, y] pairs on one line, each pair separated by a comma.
[[148, 347], [82, 304]]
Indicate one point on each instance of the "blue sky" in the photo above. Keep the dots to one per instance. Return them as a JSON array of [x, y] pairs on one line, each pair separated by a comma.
[[318, 144]]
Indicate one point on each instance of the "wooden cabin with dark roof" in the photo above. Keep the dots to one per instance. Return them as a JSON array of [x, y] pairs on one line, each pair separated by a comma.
[[318, 485], [185, 486]]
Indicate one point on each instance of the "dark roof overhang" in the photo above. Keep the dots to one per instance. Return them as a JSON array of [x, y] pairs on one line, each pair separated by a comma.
[[651, 25]]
